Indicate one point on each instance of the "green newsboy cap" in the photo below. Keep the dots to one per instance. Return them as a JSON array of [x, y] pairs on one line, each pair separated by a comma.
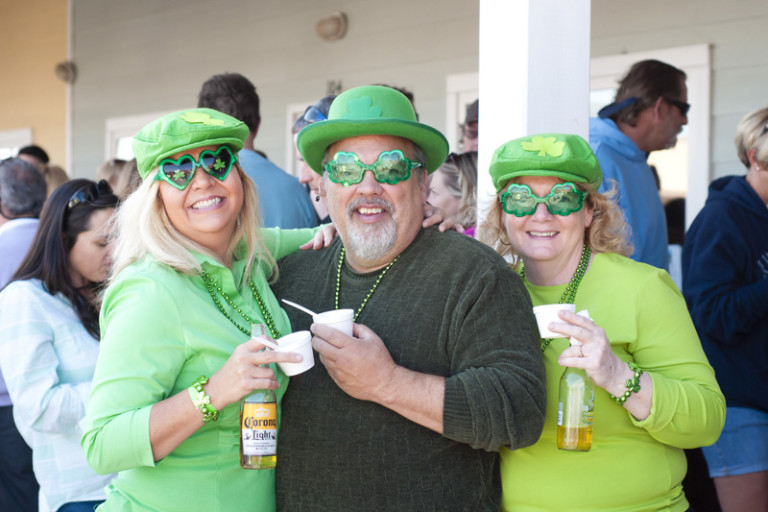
[[183, 130], [370, 110], [563, 156]]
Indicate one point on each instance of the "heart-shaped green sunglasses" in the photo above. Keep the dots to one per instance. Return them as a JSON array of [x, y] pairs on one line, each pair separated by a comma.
[[180, 172]]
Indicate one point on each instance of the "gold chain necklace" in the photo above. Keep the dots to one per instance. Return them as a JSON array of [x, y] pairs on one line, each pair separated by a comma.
[[373, 288], [212, 287], [569, 295]]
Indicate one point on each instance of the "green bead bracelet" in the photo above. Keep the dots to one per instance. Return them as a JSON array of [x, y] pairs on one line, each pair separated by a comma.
[[633, 384], [202, 401]]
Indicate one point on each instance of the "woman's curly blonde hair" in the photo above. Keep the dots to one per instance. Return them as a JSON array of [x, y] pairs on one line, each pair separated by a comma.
[[608, 231]]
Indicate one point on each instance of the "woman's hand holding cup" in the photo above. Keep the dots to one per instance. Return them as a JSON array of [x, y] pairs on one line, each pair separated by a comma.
[[245, 370], [590, 349]]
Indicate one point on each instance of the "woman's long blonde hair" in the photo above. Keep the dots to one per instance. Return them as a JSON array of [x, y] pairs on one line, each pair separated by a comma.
[[608, 231], [142, 228]]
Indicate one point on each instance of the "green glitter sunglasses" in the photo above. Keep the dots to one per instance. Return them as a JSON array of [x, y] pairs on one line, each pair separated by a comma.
[[563, 199], [391, 167], [180, 172]]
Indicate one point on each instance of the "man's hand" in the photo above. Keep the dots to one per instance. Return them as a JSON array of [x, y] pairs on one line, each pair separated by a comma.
[[360, 364]]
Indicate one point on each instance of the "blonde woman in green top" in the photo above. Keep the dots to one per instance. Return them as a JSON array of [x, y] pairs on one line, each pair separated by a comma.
[[190, 275], [655, 393]]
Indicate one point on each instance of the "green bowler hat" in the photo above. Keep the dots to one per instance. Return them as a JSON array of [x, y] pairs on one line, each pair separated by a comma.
[[183, 130], [563, 156], [370, 110]]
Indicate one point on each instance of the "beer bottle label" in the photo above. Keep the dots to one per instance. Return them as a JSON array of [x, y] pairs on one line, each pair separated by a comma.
[[259, 429]]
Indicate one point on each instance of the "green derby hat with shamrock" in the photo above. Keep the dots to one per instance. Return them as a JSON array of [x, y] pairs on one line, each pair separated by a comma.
[[370, 110], [561, 155]]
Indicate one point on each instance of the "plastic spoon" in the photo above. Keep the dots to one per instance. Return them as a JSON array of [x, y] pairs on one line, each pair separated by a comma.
[[269, 343], [301, 308], [259, 331]]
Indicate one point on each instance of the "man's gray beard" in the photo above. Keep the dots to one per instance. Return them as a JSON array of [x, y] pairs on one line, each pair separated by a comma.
[[370, 242]]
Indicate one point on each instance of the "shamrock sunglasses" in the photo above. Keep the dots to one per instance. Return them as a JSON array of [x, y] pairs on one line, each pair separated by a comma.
[[391, 167], [180, 172], [563, 199]]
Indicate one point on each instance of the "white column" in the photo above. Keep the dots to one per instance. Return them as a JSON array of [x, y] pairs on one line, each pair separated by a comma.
[[534, 74]]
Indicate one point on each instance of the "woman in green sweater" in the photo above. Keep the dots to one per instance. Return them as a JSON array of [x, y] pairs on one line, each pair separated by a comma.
[[655, 393]]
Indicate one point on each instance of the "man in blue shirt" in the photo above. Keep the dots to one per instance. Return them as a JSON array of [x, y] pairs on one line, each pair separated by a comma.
[[283, 201], [649, 111]]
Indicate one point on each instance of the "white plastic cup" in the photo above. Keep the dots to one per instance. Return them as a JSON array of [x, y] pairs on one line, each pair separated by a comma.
[[546, 314], [301, 343], [340, 319]]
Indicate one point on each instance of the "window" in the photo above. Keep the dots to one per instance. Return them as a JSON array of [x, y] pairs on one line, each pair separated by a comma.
[[12, 140], [120, 132]]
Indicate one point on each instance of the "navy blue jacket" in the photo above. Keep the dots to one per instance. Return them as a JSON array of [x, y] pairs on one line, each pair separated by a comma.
[[725, 284]]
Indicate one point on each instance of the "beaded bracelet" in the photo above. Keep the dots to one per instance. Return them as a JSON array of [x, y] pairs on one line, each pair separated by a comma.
[[633, 384], [202, 401]]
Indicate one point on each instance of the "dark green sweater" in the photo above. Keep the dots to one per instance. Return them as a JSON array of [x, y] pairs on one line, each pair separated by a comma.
[[449, 306]]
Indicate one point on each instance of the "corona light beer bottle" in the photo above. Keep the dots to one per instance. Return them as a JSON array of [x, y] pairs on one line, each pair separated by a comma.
[[258, 425], [576, 407]]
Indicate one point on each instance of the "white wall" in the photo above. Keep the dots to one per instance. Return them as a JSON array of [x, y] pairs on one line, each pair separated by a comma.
[[149, 56]]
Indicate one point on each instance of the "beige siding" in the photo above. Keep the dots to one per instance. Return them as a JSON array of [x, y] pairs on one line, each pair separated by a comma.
[[33, 41]]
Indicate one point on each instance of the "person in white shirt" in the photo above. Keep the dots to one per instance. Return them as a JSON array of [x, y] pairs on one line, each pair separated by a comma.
[[22, 193], [49, 340]]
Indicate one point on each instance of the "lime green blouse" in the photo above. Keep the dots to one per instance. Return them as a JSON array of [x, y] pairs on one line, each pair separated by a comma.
[[632, 465], [160, 331]]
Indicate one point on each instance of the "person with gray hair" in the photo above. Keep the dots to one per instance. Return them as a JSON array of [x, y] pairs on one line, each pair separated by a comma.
[[22, 194], [441, 369]]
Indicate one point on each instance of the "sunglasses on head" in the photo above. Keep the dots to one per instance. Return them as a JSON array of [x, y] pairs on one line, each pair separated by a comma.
[[89, 193], [563, 199], [180, 172], [682, 106], [391, 167], [314, 114]]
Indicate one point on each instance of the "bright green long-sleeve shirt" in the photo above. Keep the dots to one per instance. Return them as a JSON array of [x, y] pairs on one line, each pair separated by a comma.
[[633, 465], [160, 331]]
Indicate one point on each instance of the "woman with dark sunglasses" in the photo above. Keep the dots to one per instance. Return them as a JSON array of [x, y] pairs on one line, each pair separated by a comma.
[[654, 391], [49, 339], [191, 275]]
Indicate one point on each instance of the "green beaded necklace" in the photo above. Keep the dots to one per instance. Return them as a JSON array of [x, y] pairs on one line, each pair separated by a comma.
[[212, 287], [373, 288], [569, 295]]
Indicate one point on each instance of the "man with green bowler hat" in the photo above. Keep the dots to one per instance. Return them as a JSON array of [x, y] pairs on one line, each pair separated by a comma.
[[442, 368]]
